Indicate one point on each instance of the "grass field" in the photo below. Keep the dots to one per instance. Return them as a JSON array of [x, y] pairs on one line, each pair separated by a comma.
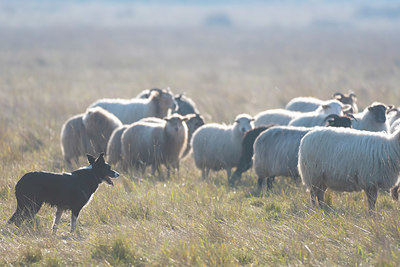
[[48, 75]]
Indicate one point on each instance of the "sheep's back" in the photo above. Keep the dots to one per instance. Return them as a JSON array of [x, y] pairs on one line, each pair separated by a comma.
[[276, 151], [348, 159], [214, 147]]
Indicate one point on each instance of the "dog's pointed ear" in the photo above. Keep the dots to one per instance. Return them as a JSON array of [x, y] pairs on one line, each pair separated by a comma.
[[91, 159], [100, 159]]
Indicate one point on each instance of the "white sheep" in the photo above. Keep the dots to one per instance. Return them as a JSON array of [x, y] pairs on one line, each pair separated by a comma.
[[307, 104], [373, 118], [114, 145], [275, 116], [87, 133], [317, 117], [275, 153], [154, 143], [348, 160], [159, 104], [216, 146]]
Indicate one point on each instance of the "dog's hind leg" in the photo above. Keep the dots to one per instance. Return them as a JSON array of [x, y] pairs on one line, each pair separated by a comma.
[[57, 219]]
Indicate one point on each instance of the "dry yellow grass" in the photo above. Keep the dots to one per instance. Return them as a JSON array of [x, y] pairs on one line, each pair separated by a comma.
[[48, 75]]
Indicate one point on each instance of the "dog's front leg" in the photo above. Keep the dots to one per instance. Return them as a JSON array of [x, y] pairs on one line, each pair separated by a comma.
[[57, 219], [74, 219]]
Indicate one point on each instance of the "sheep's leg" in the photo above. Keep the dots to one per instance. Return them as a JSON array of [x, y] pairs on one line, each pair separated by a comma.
[[372, 193], [228, 173], [394, 192], [204, 173], [297, 180], [260, 183], [57, 220], [270, 181], [168, 171], [312, 195], [320, 192]]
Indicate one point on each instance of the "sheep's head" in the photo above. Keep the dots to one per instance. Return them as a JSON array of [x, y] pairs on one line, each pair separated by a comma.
[[194, 121], [175, 124], [243, 123], [165, 99], [332, 107], [349, 99], [334, 120], [378, 111]]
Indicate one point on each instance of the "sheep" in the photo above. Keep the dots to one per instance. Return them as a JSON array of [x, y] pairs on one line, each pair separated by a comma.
[[146, 93], [307, 104], [158, 105], [275, 116], [193, 122], [154, 143], [276, 150], [114, 145], [317, 117], [185, 105], [334, 120], [217, 146], [87, 133], [373, 118], [349, 160], [245, 160]]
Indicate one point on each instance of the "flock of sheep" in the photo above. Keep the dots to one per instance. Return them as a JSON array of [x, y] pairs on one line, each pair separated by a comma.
[[323, 143]]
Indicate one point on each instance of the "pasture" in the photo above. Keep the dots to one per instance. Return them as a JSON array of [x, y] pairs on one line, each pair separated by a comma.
[[47, 75]]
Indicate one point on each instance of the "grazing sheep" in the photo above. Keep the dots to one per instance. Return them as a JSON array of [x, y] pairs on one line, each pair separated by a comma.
[[87, 133], [317, 117], [246, 155], [154, 143], [217, 146], [348, 160], [373, 118], [245, 161], [307, 104], [276, 150], [334, 120], [275, 116], [194, 122], [157, 105]]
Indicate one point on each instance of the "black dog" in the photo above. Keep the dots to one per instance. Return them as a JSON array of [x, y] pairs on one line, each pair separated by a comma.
[[66, 191]]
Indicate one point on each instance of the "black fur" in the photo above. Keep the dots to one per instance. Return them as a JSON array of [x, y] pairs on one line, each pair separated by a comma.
[[66, 191], [245, 161]]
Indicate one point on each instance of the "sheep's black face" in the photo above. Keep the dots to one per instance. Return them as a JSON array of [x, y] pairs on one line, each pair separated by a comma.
[[379, 112]]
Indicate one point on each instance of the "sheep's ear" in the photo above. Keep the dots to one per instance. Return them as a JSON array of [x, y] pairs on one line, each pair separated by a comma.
[[91, 159], [352, 95], [338, 96], [390, 109], [178, 97]]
